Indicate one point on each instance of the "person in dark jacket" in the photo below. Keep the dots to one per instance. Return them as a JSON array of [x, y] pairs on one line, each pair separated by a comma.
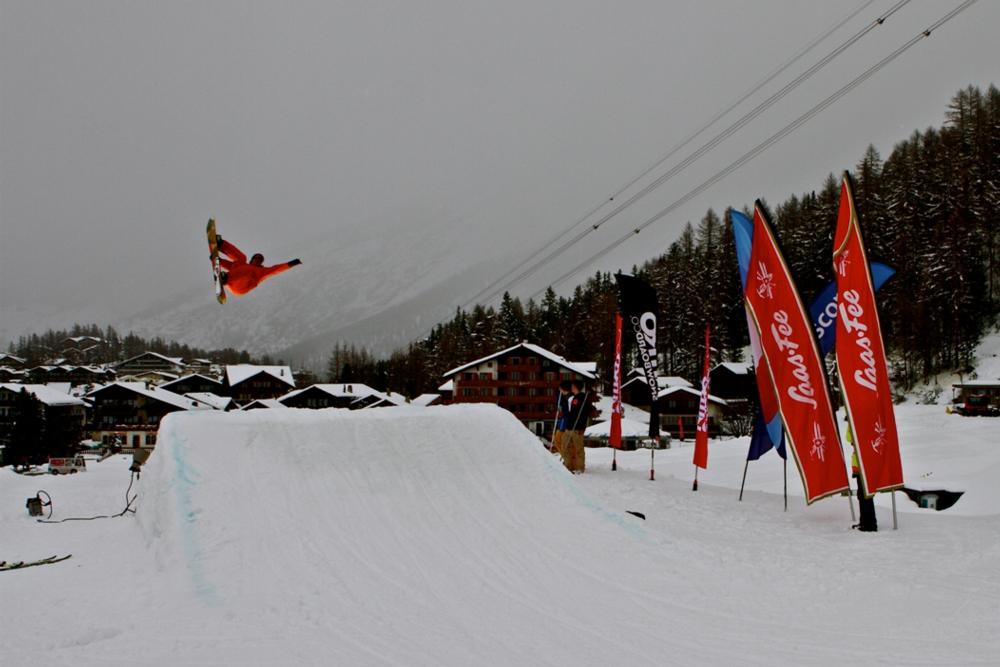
[[562, 408], [577, 417]]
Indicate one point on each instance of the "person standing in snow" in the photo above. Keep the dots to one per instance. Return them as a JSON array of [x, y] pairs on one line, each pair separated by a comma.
[[867, 521], [577, 417], [240, 276], [562, 408]]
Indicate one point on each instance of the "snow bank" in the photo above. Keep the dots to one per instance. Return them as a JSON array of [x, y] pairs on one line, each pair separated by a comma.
[[449, 536]]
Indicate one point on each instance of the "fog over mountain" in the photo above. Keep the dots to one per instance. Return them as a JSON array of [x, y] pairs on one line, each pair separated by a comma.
[[408, 153]]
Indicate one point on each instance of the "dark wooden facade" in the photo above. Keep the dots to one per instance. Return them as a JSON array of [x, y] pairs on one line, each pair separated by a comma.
[[195, 384], [257, 386], [61, 424], [730, 384], [520, 380], [128, 418]]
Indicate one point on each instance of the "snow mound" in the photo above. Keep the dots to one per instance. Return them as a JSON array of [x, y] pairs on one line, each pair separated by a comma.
[[449, 536], [401, 526]]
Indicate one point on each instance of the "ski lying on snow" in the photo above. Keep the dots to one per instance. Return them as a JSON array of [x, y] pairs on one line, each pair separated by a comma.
[[4, 565]]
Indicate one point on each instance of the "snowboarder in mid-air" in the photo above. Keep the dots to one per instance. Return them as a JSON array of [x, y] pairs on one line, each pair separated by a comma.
[[236, 273]]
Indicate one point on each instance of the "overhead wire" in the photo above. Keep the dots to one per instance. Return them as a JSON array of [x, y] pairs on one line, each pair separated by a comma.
[[767, 143], [492, 290]]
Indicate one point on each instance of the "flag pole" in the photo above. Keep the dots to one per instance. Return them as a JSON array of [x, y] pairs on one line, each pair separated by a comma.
[[743, 483], [614, 459], [785, 465], [850, 501], [694, 487], [895, 525], [652, 459]]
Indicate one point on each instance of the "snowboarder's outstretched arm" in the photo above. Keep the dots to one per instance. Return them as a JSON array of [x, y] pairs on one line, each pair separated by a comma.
[[278, 268]]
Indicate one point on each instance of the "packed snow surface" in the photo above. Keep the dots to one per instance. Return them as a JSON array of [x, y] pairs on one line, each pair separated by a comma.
[[450, 536]]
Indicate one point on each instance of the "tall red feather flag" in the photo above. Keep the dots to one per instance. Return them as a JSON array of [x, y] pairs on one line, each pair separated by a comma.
[[792, 353], [701, 436], [615, 437], [861, 365]]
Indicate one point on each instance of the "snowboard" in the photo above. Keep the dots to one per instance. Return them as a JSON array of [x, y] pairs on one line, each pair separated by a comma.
[[213, 250]]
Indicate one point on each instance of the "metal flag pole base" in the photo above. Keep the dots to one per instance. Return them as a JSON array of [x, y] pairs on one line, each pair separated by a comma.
[[694, 487], [744, 482], [614, 460], [652, 467], [850, 501], [895, 525]]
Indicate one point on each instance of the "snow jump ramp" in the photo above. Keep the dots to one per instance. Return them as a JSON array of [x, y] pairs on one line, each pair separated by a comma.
[[401, 535]]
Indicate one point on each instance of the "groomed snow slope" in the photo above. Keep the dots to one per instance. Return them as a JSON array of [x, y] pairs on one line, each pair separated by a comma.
[[449, 536]]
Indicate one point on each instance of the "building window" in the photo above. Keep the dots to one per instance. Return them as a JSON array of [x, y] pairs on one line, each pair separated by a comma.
[[484, 376], [485, 392], [515, 361]]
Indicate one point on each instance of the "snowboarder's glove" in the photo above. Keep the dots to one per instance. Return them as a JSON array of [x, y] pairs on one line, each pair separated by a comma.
[[295, 262]]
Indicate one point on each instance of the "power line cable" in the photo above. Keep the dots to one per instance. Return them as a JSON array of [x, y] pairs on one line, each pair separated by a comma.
[[767, 143], [691, 158]]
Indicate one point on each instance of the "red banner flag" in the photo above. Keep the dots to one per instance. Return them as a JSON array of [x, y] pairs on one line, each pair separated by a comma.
[[701, 436], [861, 365], [788, 343], [615, 437]]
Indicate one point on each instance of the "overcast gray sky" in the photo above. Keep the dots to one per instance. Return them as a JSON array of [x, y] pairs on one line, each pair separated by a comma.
[[124, 125]]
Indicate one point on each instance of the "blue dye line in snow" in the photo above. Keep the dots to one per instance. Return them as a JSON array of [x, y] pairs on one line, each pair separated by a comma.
[[630, 526], [185, 479]]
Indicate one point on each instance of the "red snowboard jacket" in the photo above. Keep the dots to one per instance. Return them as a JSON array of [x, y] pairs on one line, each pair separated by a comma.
[[241, 276]]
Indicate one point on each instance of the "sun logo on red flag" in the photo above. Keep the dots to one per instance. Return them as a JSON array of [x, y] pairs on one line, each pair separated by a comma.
[[818, 448], [843, 263], [880, 434], [765, 288]]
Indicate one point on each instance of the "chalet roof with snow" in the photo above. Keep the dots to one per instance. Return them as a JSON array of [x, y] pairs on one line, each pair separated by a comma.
[[213, 401], [980, 384], [337, 390], [176, 361], [237, 373], [264, 403], [662, 381], [162, 377], [81, 339], [388, 399], [189, 377], [734, 367], [448, 386], [11, 360], [688, 390], [425, 399], [44, 394], [155, 393], [532, 348]]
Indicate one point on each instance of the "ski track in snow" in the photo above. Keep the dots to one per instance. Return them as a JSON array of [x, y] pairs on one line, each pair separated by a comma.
[[449, 536]]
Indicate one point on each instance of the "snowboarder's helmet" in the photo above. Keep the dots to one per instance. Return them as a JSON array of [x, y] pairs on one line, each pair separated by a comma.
[[257, 259]]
